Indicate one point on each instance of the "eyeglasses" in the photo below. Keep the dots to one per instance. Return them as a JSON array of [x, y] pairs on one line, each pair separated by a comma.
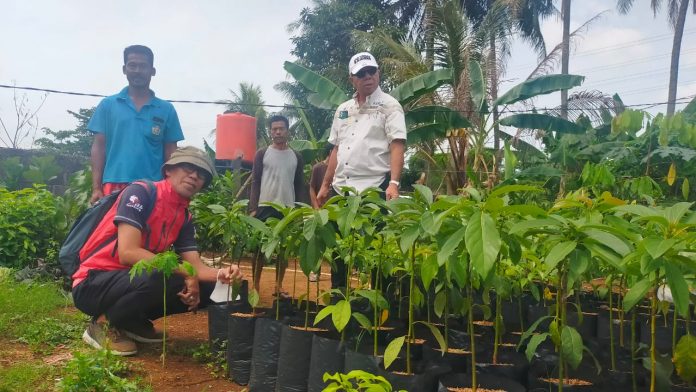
[[189, 169], [370, 71]]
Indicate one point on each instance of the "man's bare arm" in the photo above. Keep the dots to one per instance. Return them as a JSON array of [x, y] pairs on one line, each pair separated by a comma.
[[98, 158]]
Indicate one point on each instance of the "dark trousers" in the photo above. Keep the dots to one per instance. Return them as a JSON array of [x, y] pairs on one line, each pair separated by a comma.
[[125, 302]]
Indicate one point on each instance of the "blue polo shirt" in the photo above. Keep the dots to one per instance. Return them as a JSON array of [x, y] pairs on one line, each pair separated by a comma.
[[134, 140]]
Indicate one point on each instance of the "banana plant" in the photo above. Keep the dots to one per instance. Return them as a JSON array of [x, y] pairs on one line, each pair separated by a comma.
[[575, 236], [663, 256]]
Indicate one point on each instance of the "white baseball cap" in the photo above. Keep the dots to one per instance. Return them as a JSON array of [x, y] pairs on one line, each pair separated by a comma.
[[360, 61]]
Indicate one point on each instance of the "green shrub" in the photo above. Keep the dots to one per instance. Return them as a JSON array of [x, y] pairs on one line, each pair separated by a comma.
[[97, 371], [43, 334], [28, 225]]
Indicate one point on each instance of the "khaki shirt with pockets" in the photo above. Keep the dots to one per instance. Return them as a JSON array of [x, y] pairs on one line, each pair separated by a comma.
[[363, 134]]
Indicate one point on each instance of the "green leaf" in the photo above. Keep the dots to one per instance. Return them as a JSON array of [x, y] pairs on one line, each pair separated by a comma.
[[504, 190], [685, 188], [440, 302], [611, 241], [680, 290], [531, 330], [323, 313], [429, 224], [538, 86], [450, 245], [572, 346], [542, 121], [408, 237], [421, 84], [437, 334], [477, 87], [656, 247], [425, 133], [636, 293], [372, 296], [429, 269], [363, 321], [676, 212], [253, 298], [525, 225], [424, 192], [392, 351], [446, 117], [559, 252], [329, 95], [685, 358], [341, 315], [483, 242], [534, 342]]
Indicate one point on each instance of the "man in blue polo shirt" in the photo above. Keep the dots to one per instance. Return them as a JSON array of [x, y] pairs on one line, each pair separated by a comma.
[[134, 131]]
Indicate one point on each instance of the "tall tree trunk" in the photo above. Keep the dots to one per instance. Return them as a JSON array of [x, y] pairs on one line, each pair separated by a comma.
[[493, 69], [676, 51], [565, 54], [429, 34]]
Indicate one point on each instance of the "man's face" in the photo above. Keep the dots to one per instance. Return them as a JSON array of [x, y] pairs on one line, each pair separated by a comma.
[[186, 179], [365, 81], [279, 132], [138, 70]]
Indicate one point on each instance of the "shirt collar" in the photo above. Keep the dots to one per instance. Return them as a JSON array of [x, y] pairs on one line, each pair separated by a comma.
[[371, 97], [123, 94]]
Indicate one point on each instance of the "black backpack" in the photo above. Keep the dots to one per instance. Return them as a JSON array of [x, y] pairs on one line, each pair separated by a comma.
[[81, 230]]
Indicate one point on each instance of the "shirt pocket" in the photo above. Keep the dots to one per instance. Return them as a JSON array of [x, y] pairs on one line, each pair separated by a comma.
[[154, 128]]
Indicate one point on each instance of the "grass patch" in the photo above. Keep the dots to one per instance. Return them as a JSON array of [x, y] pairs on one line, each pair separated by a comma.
[[35, 314], [27, 376]]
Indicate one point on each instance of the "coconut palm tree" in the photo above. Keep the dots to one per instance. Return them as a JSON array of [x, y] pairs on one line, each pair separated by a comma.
[[677, 10]]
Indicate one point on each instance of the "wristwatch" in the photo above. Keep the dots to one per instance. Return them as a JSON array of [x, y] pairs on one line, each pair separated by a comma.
[[395, 183]]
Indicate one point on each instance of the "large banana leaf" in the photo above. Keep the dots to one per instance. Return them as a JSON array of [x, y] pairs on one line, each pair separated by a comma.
[[436, 114], [522, 146], [425, 133], [478, 89], [539, 86], [541, 121], [421, 84], [328, 94], [432, 122]]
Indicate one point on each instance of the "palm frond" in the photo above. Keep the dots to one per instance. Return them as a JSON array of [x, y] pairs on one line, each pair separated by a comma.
[[593, 104], [551, 61]]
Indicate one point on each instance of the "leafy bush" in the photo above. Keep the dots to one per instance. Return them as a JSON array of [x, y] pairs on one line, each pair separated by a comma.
[[356, 381], [97, 371], [28, 220], [222, 191]]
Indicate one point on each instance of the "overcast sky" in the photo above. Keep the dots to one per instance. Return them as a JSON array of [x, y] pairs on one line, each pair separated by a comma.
[[204, 48]]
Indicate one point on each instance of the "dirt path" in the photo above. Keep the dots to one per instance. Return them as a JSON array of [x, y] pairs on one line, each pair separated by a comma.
[[187, 332]]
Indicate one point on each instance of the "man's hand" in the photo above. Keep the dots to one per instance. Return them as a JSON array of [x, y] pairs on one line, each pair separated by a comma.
[[229, 274], [190, 295], [392, 191], [96, 195], [323, 194]]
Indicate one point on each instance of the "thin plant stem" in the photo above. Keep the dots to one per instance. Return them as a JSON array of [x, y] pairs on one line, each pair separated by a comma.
[[674, 330], [306, 320], [164, 322], [411, 286], [653, 362], [634, 381], [611, 328], [472, 341]]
